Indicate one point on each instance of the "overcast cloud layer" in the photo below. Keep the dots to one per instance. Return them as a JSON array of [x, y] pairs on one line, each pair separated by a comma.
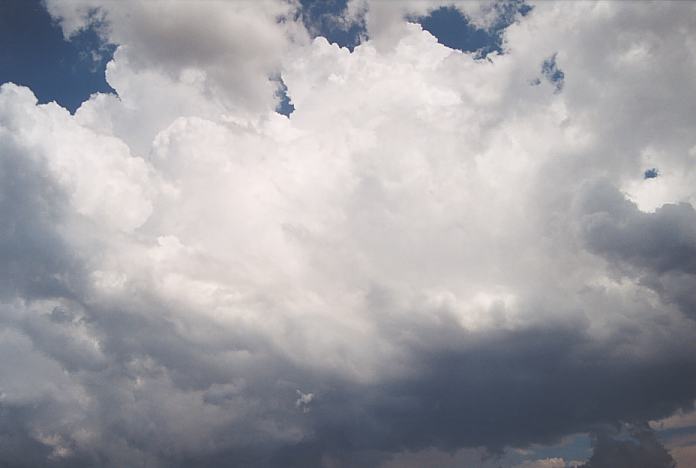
[[434, 253]]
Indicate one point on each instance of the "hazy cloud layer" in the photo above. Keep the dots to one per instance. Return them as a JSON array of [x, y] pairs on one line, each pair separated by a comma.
[[433, 253]]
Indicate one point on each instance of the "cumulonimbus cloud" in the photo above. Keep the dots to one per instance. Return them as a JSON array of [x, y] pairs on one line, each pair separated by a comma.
[[444, 252]]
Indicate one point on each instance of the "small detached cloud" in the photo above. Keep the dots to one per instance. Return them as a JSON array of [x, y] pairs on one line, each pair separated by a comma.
[[303, 401]]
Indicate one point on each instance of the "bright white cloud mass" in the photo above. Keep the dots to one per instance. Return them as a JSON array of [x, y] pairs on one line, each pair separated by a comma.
[[436, 259]]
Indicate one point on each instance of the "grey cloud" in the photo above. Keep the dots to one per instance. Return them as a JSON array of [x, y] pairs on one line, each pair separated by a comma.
[[658, 248], [639, 448], [236, 46], [36, 261], [510, 389]]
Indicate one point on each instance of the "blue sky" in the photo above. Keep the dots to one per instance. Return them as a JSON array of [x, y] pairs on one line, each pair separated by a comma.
[[34, 54]]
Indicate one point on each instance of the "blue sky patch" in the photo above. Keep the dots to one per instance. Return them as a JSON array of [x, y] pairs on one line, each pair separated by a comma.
[[323, 18], [34, 54], [454, 30], [284, 107], [550, 70], [651, 173]]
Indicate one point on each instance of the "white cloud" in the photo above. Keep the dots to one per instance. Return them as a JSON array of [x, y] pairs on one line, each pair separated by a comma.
[[97, 172], [544, 463], [428, 237]]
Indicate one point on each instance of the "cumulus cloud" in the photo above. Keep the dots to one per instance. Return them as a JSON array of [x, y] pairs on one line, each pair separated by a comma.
[[429, 255], [384, 21]]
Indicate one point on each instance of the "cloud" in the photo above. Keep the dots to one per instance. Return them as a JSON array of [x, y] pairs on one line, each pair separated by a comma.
[[178, 58], [642, 449], [384, 21], [658, 249], [429, 256], [544, 463]]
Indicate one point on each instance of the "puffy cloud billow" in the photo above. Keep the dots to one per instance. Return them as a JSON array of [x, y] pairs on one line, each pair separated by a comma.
[[436, 253]]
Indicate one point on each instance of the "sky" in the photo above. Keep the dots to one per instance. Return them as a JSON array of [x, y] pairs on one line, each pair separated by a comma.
[[352, 233]]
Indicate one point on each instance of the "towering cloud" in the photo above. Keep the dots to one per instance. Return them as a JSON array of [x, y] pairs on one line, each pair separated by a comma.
[[434, 252]]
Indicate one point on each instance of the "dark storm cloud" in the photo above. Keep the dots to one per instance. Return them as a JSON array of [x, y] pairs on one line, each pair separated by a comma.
[[638, 448], [505, 389], [18, 448], [658, 248]]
